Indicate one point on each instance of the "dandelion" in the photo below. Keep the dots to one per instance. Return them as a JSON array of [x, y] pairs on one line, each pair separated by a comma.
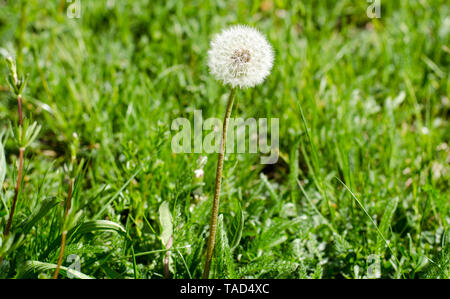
[[242, 57]]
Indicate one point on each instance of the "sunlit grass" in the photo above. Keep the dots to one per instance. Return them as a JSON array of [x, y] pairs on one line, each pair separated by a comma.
[[363, 108]]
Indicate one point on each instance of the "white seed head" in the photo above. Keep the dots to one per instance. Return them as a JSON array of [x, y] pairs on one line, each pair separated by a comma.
[[199, 173], [240, 56]]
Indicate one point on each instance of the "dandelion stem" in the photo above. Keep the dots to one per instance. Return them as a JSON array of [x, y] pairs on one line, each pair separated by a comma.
[[64, 233], [215, 207]]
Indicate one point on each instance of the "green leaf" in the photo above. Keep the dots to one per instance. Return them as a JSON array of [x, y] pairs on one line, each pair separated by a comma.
[[165, 219], [273, 233], [15, 240], [38, 213], [95, 226], [386, 220], [2, 163], [31, 268], [117, 194], [84, 228], [239, 228], [31, 133], [6, 243], [294, 170], [225, 267]]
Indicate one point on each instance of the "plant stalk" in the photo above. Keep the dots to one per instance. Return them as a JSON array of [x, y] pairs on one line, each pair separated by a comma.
[[215, 206], [19, 173], [16, 191], [64, 233]]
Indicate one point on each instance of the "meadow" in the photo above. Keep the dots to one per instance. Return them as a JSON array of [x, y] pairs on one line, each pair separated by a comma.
[[361, 186]]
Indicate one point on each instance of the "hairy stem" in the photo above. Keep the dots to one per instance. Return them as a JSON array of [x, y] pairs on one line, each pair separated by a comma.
[[215, 207], [64, 233], [19, 173], [16, 191]]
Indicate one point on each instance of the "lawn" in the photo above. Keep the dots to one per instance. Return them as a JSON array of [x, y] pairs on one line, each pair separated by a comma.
[[361, 185]]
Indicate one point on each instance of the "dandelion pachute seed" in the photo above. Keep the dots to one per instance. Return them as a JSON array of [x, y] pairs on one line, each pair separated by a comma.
[[240, 56]]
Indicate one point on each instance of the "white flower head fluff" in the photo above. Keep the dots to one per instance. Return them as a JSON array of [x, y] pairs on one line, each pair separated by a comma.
[[240, 56]]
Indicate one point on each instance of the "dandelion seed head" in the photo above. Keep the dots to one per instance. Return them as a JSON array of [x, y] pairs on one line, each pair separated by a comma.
[[240, 56]]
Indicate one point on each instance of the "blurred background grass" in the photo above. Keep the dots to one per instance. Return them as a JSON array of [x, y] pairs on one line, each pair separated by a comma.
[[374, 93]]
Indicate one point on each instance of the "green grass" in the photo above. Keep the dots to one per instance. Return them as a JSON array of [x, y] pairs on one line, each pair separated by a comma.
[[364, 154]]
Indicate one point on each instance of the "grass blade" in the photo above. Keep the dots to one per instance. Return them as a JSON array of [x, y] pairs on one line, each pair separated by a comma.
[[31, 268], [371, 220]]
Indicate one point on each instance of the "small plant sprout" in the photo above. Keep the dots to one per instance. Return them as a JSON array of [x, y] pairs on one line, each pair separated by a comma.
[[240, 56], [24, 132]]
